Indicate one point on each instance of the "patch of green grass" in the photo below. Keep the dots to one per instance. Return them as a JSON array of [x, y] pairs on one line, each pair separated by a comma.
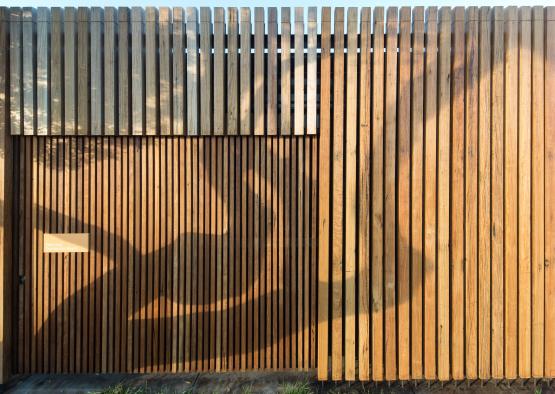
[[121, 389], [247, 389], [296, 388]]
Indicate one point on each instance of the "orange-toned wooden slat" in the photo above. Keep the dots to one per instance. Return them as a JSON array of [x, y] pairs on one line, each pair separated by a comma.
[[110, 71], [124, 71], [298, 95], [178, 71], [285, 108], [250, 190], [243, 247], [443, 185], [417, 195], [290, 287], [56, 70], [97, 68], [68, 263], [211, 189], [245, 69], [403, 195], [272, 74], [232, 71], [511, 191], [201, 259], [484, 196], [470, 193], [351, 193], [165, 66], [205, 71], [524, 192], [377, 360], [219, 71], [106, 260], [306, 251], [258, 76], [538, 189], [43, 54], [364, 196], [549, 195], [44, 311], [497, 194], [457, 195], [390, 131], [337, 197], [137, 72], [117, 258], [224, 228], [16, 71], [256, 252]]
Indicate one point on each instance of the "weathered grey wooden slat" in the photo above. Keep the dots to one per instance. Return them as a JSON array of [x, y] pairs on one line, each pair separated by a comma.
[[70, 71], [137, 71], [258, 71], [43, 70], [151, 70], [83, 74], [205, 71], [298, 108], [245, 59], [311, 71], [165, 71], [178, 71], [29, 85], [97, 72], [124, 72], [110, 71], [271, 74], [16, 72], [192, 72], [56, 71], [232, 71], [285, 113], [219, 71]]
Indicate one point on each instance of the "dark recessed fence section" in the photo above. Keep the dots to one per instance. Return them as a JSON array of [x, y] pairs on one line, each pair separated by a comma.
[[367, 194]]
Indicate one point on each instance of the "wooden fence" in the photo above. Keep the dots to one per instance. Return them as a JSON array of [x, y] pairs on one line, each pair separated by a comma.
[[368, 196]]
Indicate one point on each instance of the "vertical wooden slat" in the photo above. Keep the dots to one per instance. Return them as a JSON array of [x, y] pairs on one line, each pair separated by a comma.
[[350, 192], [232, 72], [524, 192], [97, 72], [178, 72], [511, 191], [29, 72], [16, 72], [70, 94], [137, 72], [56, 70], [8, 352], [258, 78], [192, 72], [272, 74], [337, 187], [285, 108], [549, 202], [324, 198], [456, 195], [538, 188], [443, 174], [470, 193], [245, 69], [152, 87], [43, 71], [417, 195], [484, 193], [124, 80], [219, 71], [298, 108], [110, 71], [205, 71], [311, 71], [403, 195], [165, 67], [497, 182], [390, 131], [364, 196]]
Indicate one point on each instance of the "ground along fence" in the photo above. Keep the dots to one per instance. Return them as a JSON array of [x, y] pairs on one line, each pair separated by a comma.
[[368, 195]]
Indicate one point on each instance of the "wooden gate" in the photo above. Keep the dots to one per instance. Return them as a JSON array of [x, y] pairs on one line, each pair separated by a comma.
[[366, 194]]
